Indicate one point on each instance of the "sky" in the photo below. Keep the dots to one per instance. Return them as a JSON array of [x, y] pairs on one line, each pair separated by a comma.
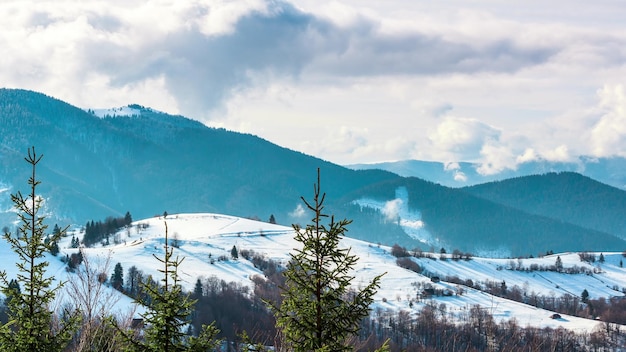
[[353, 81]]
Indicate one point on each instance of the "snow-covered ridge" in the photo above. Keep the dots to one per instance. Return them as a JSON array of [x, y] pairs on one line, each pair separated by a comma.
[[112, 112], [129, 110], [203, 238]]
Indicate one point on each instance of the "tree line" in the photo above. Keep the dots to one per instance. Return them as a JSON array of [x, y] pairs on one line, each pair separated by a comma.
[[100, 231]]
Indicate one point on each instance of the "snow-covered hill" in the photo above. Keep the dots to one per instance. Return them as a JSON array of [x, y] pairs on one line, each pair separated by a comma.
[[203, 238]]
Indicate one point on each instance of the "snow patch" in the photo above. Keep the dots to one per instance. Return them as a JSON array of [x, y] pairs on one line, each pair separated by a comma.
[[397, 210], [113, 112]]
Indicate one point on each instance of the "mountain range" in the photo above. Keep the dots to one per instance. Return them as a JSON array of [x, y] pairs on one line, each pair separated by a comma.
[[611, 171], [104, 163]]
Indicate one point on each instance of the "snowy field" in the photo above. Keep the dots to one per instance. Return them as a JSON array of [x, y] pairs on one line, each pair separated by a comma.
[[203, 238]]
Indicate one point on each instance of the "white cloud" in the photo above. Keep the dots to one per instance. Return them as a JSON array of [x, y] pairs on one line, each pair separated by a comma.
[[451, 166], [460, 176], [350, 81], [298, 212], [455, 168], [462, 138], [529, 155], [392, 208], [496, 158], [608, 135], [560, 153]]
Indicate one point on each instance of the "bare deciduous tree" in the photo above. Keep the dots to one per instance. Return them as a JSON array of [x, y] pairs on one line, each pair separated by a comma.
[[96, 302]]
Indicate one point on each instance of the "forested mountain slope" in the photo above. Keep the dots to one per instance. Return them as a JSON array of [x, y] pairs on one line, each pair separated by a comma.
[[153, 162], [565, 196], [468, 222], [147, 162]]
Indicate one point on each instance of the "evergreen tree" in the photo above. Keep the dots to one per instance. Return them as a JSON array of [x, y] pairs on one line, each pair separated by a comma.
[[128, 219], [14, 286], [197, 290], [117, 278], [133, 280], [319, 311], [168, 312], [585, 296], [234, 253], [272, 219], [558, 264], [75, 243], [601, 260], [56, 231], [52, 244], [31, 325], [54, 248]]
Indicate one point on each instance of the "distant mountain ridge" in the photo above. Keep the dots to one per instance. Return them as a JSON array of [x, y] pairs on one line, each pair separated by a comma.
[[611, 171], [564, 196], [148, 162]]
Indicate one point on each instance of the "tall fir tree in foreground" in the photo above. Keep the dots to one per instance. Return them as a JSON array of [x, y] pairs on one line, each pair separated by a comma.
[[319, 311], [168, 314], [32, 326]]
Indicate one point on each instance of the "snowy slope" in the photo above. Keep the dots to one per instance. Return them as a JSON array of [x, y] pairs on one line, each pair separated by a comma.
[[205, 236], [121, 111]]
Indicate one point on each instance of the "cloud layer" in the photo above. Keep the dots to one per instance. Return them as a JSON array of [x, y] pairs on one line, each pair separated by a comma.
[[357, 81]]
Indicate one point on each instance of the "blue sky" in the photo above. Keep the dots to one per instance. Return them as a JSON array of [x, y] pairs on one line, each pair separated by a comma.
[[499, 83]]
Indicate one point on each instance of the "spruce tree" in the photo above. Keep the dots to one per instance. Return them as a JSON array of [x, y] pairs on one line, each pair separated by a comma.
[[117, 278], [31, 325], [128, 219], [584, 297], [168, 312], [319, 310], [558, 264]]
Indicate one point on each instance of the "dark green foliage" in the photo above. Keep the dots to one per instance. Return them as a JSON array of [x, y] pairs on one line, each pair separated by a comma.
[[169, 311], [31, 325], [117, 278], [54, 248], [128, 219], [134, 279], [564, 196], [234, 253], [558, 264], [100, 231], [75, 242], [585, 296], [197, 290], [13, 287], [463, 219], [319, 311]]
